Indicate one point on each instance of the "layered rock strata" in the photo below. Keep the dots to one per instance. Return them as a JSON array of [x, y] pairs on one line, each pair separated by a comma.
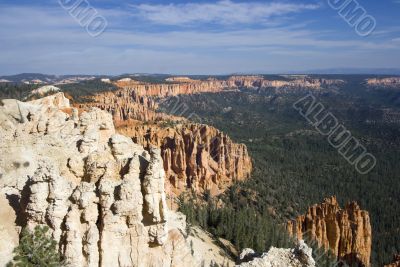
[[346, 232], [184, 85], [101, 194], [125, 105], [195, 156]]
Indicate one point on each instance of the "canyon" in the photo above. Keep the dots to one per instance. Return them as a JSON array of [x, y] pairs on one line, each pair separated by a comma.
[[184, 85], [101, 194], [195, 156], [345, 232]]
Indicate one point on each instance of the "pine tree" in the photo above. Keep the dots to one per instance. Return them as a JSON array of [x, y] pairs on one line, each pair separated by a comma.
[[36, 249]]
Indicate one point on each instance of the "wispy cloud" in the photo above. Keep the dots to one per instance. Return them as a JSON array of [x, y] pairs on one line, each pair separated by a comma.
[[36, 39], [222, 12]]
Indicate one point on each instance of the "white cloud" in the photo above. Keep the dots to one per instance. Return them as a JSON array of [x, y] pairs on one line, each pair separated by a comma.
[[222, 12], [49, 40]]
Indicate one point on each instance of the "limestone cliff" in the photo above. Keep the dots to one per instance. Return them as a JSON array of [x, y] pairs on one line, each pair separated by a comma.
[[346, 232], [195, 156], [101, 194]]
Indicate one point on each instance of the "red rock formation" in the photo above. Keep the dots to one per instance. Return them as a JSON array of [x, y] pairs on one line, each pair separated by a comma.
[[396, 262], [126, 105], [195, 156], [172, 89], [346, 232]]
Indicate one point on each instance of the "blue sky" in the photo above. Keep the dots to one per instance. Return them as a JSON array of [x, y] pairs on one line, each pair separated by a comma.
[[195, 37]]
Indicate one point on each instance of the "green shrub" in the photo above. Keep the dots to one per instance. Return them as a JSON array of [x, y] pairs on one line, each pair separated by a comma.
[[36, 249]]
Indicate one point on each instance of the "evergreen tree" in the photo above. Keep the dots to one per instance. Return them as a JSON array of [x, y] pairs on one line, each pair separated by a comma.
[[36, 249]]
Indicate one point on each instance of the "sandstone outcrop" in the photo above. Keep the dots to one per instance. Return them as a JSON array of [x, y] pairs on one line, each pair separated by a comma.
[[300, 256], [101, 194], [395, 263], [196, 156], [346, 232]]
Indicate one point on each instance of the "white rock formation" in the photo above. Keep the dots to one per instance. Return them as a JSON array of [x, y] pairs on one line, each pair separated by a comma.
[[301, 256], [102, 195], [45, 90]]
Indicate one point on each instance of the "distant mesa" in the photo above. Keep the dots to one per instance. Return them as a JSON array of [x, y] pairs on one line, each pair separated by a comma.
[[180, 80], [392, 82], [36, 81]]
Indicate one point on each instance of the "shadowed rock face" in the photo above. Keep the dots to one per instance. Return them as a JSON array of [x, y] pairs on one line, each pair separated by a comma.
[[101, 194], [346, 232], [195, 156], [395, 263]]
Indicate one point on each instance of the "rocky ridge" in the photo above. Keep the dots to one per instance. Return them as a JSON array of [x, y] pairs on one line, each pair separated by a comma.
[[101, 194], [392, 82], [345, 232], [300, 256], [185, 85]]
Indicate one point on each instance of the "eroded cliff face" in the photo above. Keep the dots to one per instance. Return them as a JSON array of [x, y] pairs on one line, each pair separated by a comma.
[[125, 105], [101, 194], [346, 232], [172, 89], [195, 156], [184, 85]]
